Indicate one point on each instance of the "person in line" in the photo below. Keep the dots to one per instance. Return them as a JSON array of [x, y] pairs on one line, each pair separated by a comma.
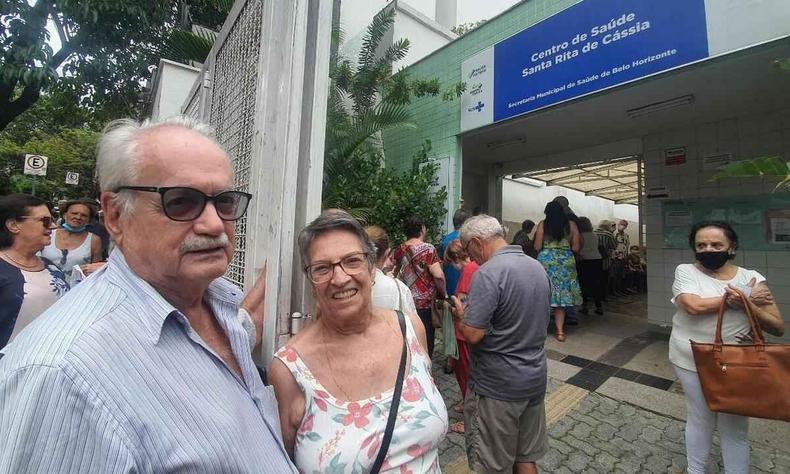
[[72, 244], [388, 292], [556, 240], [697, 292], [504, 324], [458, 257], [451, 274], [334, 380], [606, 247], [146, 366], [417, 264], [620, 254], [523, 239], [570, 311], [635, 271], [590, 267], [29, 284]]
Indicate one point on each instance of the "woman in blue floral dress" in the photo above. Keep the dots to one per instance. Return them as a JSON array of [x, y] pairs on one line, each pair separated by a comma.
[[556, 240]]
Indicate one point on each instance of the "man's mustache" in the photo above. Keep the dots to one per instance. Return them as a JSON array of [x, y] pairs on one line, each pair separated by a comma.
[[202, 242]]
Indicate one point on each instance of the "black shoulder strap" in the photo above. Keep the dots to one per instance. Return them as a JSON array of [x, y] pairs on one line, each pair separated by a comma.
[[385, 442]]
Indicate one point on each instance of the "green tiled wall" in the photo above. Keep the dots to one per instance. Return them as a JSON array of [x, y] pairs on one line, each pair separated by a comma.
[[439, 121]]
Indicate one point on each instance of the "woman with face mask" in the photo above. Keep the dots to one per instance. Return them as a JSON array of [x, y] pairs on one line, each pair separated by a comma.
[[72, 245], [697, 292]]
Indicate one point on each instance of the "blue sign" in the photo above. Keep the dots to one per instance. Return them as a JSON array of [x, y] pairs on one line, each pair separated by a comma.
[[593, 45]]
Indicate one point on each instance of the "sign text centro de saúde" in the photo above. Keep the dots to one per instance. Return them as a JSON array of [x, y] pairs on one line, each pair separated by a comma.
[[597, 44]]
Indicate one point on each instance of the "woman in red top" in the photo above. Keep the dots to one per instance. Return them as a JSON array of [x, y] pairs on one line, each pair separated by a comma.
[[457, 256], [417, 265]]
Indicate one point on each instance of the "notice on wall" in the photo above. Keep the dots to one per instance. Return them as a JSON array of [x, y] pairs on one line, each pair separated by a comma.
[[716, 161], [675, 156], [657, 192], [778, 226]]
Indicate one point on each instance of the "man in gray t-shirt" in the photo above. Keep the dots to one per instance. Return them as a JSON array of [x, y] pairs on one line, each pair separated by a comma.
[[505, 325]]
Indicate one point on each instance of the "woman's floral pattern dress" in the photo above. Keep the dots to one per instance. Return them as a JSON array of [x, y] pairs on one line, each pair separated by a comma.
[[344, 437], [560, 264]]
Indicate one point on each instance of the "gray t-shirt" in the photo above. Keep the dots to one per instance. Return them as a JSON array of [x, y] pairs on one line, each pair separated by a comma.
[[509, 298]]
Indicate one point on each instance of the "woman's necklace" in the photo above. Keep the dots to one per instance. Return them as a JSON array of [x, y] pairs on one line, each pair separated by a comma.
[[20, 264], [329, 363]]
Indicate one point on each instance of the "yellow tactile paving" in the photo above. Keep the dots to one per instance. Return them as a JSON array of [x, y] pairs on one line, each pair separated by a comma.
[[563, 400], [558, 404]]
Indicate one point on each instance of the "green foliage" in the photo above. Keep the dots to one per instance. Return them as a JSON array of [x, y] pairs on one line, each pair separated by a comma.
[[67, 150], [366, 99], [186, 44], [465, 28], [765, 166], [106, 48]]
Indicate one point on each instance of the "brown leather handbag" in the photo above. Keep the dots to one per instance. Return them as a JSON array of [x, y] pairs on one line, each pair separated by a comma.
[[745, 379]]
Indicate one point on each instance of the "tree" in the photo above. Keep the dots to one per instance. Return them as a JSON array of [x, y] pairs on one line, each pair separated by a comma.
[[366, 99], [67, 150], [105, 49]]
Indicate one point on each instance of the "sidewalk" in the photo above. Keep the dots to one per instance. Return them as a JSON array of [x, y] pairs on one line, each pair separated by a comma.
[[614, 404]]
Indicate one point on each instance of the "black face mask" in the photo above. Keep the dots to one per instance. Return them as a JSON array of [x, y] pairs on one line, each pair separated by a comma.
[[712, 260]]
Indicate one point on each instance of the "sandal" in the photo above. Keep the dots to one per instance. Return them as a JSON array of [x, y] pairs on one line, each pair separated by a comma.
[[458, 427], [459, 408], [560, 336]]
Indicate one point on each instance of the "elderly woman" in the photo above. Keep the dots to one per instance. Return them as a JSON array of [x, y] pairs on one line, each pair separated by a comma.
[[334, 380], [72, 244], [28, 284], [697, 293], [388, 292]]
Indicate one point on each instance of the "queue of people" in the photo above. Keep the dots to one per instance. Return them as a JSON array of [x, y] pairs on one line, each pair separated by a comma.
[[146, 365]]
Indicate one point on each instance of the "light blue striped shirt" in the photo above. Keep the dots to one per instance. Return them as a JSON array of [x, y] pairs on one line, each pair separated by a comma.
[[113, 378]]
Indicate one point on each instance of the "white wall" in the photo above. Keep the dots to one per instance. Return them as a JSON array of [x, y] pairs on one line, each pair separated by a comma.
[[744, 137], [173, 83], [425, 35], [521, 201], [414, 20]]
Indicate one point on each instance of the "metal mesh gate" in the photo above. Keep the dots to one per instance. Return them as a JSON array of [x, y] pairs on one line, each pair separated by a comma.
[[233, 106]]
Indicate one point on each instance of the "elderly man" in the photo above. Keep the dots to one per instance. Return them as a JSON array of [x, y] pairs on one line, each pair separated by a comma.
[[145, 366], [505, 324]]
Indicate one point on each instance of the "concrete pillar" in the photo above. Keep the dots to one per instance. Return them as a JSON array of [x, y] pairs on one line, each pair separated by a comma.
[[494, 202]]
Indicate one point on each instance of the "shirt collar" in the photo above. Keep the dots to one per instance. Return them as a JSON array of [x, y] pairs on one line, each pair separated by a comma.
[[152, 307], [508, 249]]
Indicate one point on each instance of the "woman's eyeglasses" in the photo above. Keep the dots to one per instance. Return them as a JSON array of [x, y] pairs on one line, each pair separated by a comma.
[[183, 204], [322, 272], [46, 221]]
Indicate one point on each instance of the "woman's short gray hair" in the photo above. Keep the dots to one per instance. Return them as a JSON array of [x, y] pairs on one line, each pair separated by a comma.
[[481, 226], [117, 156], [334, 219]]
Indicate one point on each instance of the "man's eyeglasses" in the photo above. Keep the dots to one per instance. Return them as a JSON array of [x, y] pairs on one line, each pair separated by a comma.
[[182, 204], [322, 272], [46, 221]]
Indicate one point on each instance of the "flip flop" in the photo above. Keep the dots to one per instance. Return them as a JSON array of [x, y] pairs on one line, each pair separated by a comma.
[[560, 336], [458, 427], [459, 408]]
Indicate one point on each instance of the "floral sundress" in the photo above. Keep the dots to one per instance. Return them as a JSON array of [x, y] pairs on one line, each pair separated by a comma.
[[344, 437], [560, 264]]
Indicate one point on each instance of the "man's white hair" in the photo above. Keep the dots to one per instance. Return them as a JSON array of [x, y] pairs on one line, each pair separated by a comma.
[[481, 226], [117, 152]]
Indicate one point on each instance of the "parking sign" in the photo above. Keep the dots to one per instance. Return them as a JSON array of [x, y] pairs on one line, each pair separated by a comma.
[[72, 178], [36, 165]]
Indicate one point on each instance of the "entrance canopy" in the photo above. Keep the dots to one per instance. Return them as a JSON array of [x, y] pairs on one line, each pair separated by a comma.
[[617, 179]]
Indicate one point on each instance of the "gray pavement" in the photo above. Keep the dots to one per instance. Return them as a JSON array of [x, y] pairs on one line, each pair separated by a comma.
[[612, 429]]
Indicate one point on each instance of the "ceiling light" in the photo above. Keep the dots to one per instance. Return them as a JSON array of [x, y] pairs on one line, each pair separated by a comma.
[[660, 106], [517, 141]]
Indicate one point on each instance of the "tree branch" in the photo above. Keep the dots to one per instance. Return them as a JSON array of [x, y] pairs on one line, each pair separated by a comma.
[[11, 110]]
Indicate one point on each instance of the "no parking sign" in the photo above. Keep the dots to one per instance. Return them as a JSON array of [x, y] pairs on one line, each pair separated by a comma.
[[36, 165], [72, 178]]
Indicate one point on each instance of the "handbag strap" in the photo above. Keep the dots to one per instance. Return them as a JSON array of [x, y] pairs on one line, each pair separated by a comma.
[[385, 442], [757, 332]]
